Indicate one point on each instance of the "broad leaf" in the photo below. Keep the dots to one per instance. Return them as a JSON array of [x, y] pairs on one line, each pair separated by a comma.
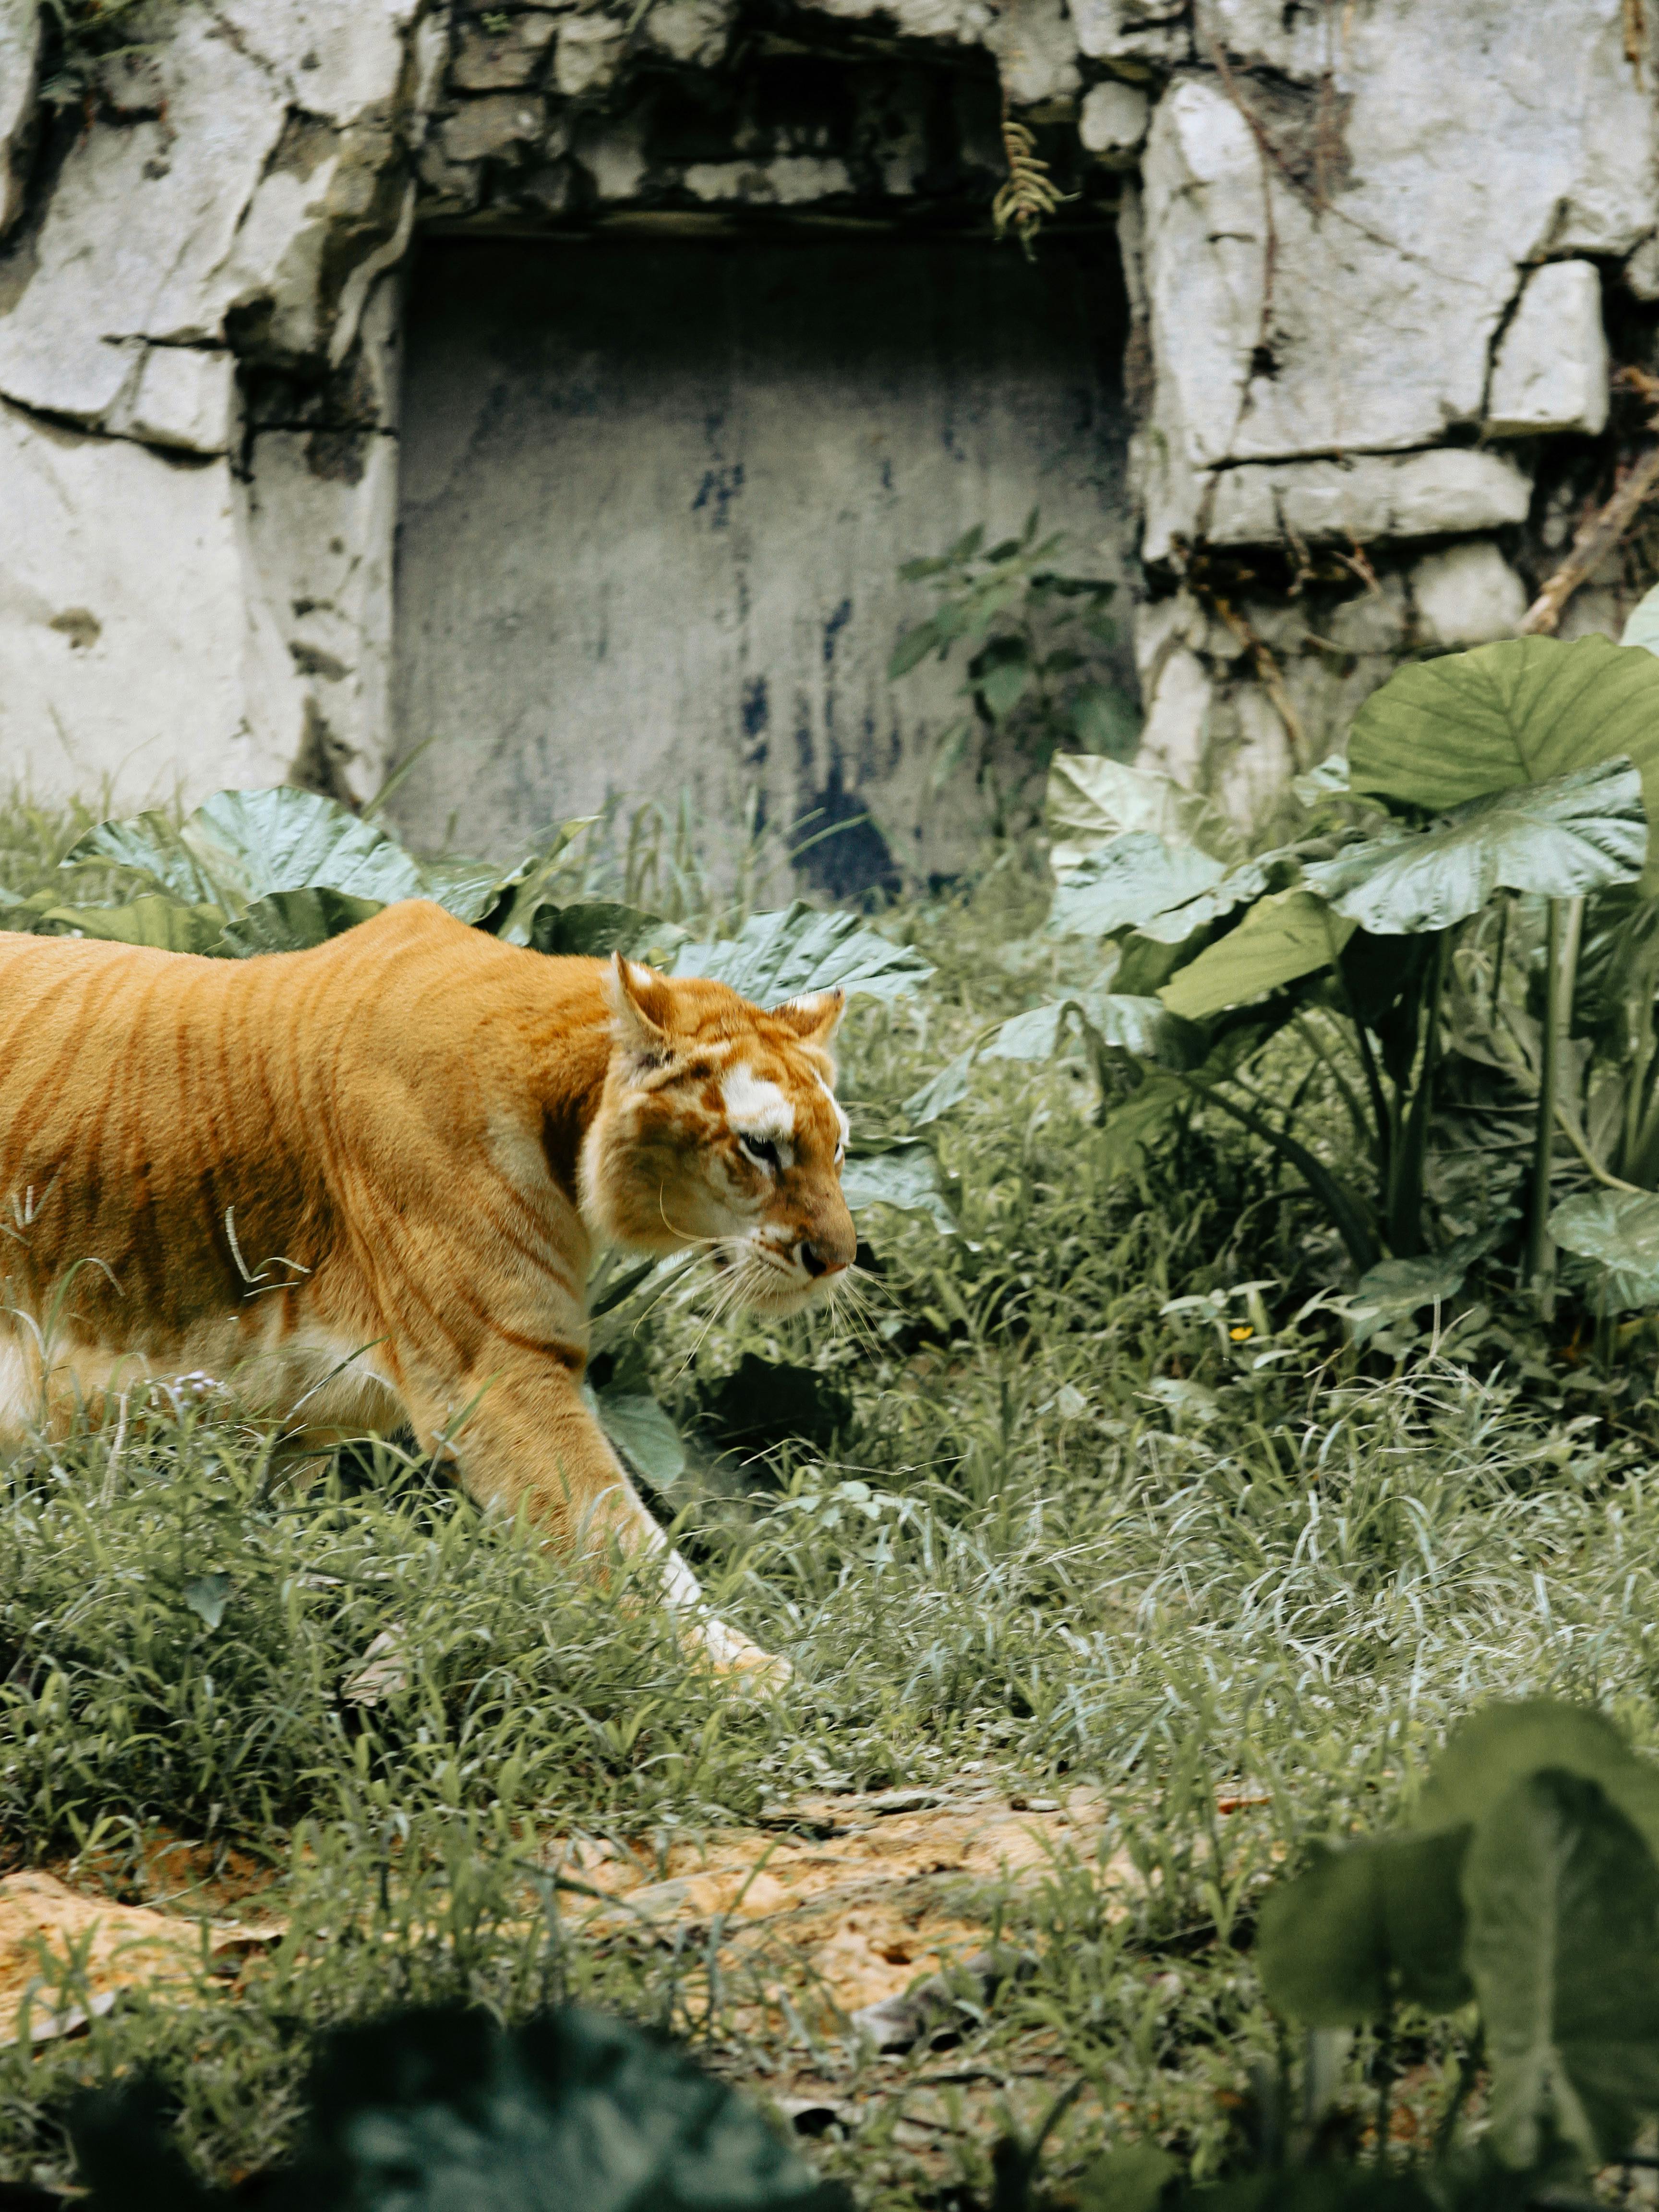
[[1395, 1289], [1499, 1746], [1090, 801], [150, 845], [1364, 1926], [1643, 627], [1127, 882], [151, 919], [1563, 1899], [251, 842], [644, 1435], [1114, 1020], [1527, 710], [291, 921], [1619, 1229], [1328, 780], [1580, 832], [432, 2110], [786, 955], [600, 927], [907, 1177], [1287, 935], [466, 889], [941, 1092]]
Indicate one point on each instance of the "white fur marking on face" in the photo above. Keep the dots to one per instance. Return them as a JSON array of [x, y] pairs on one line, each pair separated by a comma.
[[758, 1108], [846, 1126]]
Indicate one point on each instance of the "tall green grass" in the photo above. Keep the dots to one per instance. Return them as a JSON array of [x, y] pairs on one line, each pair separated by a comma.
[[1117, 1503]]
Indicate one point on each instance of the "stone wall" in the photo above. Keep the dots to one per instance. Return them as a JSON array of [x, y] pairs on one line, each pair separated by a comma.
[[1381, 258]]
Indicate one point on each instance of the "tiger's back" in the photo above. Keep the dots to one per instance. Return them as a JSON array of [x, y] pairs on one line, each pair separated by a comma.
[[361, 1185]]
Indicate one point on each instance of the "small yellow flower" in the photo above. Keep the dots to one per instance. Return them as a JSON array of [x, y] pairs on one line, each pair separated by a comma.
[[1241, 1335]]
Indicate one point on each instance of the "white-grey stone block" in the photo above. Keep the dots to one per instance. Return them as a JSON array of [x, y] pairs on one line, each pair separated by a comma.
[[1468, 595], [1550, 373], [692, 33], [1302, 39], [499, 124], [588, 54], [185, 397], [1363, 496], [20, 25], [501, 61], [1121, 31], [1035, 50], [134, 651], [1113, 124], [1642, 269]]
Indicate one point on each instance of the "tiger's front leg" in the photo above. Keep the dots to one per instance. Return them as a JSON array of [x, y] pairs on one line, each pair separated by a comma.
[[524, 1439]]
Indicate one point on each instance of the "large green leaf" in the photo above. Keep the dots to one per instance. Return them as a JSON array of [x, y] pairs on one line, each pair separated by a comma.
[[1141, 1027], [643, 1434], [1502, 1743], [1363, 1926], [1287, 935], [905, 1176], [1563, 1947], [1091, 800], [439, 2110], [151, 919], [242, 846], [942, 1091], [598, 927], [1126, 882], [150, 845], [253, 842], [789, 954], [1524, 711], [292, 922], [1580, 832], [1620, 1230]]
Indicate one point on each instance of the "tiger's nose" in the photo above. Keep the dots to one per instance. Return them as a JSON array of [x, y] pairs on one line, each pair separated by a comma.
[[815, 1262]]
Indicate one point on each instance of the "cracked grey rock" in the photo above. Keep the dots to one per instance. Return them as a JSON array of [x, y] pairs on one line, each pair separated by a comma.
[[1642, 269], [1470, 154], [1141, 33], [588, 54], [1468, 595], [1551, 368], [1302, 39], [1113, 124], [162, 228], [961, 22], [691, 32], [1035, 48], [184, 397], [487, 130], [1367, 496], [21, 22], [488, 61]]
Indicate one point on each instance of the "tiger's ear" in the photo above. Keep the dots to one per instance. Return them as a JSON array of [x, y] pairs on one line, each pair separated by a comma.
[[814, 1019], [635, 996]]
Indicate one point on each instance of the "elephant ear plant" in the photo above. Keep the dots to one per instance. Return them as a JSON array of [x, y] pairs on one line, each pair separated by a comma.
[[1416, 956]]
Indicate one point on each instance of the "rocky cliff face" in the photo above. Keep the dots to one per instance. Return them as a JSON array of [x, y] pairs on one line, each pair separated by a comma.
[[1381, 256]]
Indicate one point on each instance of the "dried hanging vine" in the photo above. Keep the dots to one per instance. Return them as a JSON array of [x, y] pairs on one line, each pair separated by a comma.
[[1030, 192]]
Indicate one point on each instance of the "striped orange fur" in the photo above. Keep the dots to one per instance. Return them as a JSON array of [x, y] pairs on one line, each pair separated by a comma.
[[363, 1183]]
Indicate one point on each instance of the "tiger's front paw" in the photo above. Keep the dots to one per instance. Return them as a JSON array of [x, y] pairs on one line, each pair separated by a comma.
[[731, 1651]]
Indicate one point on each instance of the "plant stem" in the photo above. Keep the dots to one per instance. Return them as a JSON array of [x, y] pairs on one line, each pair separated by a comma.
[[1373, 1079], [1385, 2071], [1474, 2051], [1566, 933], [1405, 1192], [1339, 1203]]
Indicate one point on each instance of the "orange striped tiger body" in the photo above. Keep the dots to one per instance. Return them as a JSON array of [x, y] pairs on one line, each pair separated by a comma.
[[364, 1184]]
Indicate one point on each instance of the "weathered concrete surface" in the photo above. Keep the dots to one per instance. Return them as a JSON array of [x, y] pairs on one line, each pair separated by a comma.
[[654, 503]]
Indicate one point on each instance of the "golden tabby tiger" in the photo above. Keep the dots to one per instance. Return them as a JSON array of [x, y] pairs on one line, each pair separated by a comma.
[[364, 1182]]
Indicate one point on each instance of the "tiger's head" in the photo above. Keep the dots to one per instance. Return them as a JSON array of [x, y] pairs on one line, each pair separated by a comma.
[[719, 1127]]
